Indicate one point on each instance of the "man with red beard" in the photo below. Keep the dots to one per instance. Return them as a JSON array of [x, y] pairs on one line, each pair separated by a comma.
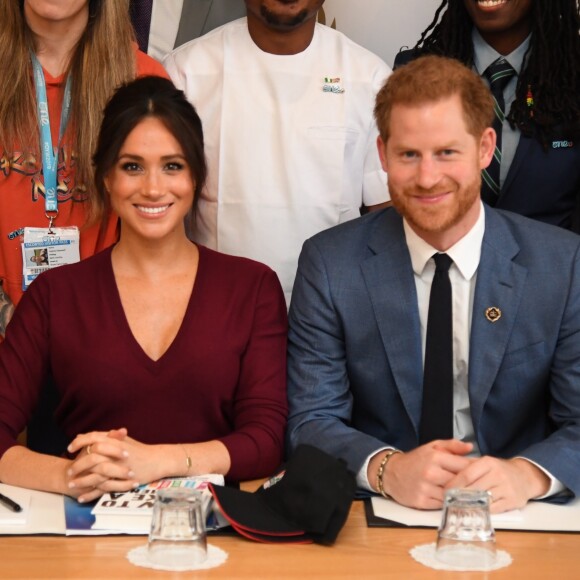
[[434, 345]]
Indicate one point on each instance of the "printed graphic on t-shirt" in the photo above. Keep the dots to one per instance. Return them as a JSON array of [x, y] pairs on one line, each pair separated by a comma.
[[26, 164]]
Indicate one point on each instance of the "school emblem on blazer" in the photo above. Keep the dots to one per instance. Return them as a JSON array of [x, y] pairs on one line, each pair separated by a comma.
[[562, 144], [493, 313]]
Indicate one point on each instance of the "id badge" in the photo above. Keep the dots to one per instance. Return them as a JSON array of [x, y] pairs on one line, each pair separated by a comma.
[[44, 249]]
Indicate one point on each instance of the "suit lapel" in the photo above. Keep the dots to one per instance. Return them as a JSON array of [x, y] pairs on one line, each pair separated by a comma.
[[193, 17], [388, 276], [517, 163], [500, 284]]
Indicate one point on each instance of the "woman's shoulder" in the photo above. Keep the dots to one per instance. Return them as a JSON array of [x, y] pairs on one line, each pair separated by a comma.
[[236, 283], [147, 65], [79, 273], [232, 265], [234, 276]]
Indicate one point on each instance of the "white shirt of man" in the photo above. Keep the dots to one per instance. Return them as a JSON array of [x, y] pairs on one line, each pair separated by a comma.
[[290, 140]]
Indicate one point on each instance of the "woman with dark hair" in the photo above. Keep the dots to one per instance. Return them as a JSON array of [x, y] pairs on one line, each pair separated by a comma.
[[169, 358], [61, 62], [528, 51]]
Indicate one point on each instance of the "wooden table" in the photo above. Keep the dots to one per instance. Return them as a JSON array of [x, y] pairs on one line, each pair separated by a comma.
[[359, 552]]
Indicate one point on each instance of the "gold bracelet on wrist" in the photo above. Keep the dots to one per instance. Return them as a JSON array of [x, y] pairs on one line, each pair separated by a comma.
[[187, 458], [381, 471]]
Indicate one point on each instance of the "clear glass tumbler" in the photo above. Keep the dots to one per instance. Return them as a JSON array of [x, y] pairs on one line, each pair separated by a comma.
[[466, 538], [177, 538]]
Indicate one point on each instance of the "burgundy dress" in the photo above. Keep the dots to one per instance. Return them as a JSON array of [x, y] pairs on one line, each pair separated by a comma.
[[223, 377]]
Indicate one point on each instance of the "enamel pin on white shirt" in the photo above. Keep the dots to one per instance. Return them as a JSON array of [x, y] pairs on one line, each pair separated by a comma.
[[332, 85]]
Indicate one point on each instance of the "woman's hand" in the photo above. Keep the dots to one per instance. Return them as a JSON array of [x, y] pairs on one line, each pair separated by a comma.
[[111, 461], [100, 465]]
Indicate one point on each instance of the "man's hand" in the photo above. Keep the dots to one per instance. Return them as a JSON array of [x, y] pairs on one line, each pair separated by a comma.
[[418, 478], [512, 482]]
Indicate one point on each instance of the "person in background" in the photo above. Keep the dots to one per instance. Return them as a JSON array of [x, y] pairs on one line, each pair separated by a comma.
[[531, 50], [162, 25], [58, 69], [286, 104], [169, 358], [434, 345]]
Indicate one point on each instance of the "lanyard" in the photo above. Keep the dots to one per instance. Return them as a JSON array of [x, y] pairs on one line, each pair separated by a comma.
[[49, 154]]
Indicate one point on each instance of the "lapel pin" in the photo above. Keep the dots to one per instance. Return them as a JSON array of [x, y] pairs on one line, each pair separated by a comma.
[[493, 313]]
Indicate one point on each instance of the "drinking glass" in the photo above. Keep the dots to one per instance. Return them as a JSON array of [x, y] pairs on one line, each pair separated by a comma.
[[466, 538], [177, 538]]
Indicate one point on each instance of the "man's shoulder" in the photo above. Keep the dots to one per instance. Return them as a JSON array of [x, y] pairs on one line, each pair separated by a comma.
[[212, 40], [404, 56], [362, 55], [355, 235], [533, 237]]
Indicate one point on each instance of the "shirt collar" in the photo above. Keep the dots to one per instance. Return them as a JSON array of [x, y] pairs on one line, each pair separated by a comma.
[[484, 54], [465, 253]]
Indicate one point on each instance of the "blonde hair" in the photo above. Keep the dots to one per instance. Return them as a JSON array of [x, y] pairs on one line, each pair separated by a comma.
[[432, 78], [103, 59]]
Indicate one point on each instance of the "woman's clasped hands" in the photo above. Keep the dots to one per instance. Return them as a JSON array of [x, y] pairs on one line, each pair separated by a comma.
[[107, 461]]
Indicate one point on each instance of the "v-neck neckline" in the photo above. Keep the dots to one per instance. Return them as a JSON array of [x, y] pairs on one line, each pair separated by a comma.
[[119, 311]]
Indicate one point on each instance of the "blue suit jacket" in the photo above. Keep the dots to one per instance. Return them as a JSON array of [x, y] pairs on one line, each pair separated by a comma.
[[543, 184], [355, 363]]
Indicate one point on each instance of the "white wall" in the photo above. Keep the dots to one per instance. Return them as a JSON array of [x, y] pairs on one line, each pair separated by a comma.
[[382, 26]]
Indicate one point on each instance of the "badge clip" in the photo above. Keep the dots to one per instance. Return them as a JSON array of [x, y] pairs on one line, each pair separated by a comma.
[[51, 218]]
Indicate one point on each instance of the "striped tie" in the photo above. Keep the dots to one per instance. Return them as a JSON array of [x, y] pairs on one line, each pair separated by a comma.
[[498, 74]]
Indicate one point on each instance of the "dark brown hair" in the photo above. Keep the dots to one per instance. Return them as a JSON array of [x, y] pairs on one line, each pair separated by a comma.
[[145, 97], [551, 73]]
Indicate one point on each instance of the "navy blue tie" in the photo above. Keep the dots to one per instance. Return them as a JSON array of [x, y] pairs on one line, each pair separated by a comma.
[[437, 406]]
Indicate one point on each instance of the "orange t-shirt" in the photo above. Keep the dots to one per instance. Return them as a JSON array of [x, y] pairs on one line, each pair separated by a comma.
[[22, 193]]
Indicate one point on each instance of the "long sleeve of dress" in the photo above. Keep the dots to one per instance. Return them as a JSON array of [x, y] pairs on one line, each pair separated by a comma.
[[260, 406], [24, 364]]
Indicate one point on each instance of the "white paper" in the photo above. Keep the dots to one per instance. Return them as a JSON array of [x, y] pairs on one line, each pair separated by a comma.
[[45, 513], [537, 516], [22, 498]]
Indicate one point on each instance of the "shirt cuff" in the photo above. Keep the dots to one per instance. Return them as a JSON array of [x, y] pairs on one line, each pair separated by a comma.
[[556, 486], [362, 481]]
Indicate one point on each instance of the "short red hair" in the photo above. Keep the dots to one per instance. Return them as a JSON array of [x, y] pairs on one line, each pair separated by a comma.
[[433, 78]]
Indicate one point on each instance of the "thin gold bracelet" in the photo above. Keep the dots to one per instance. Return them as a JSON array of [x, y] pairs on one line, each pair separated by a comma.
[[187, 458], [381, 471]]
